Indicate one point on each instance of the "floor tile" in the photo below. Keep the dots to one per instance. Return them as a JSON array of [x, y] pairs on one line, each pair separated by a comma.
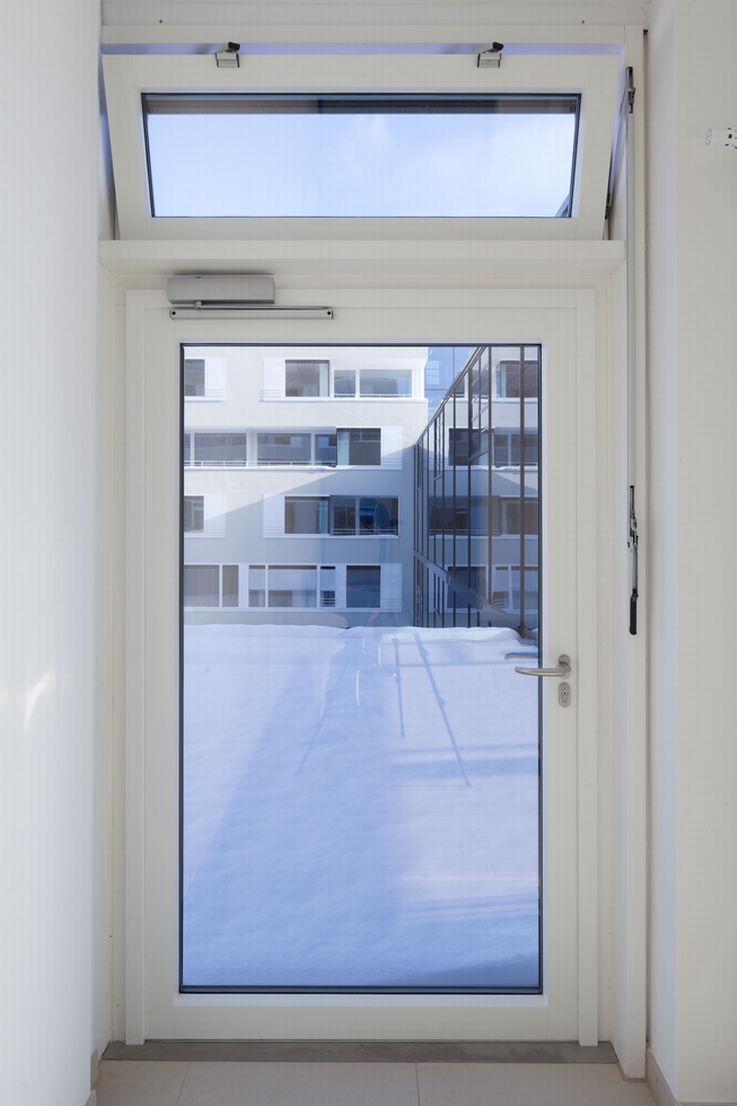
[[335, 1084], [140, 1083], [528, 1085]]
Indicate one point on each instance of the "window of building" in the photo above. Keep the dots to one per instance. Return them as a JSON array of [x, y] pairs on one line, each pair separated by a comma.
[[468, 447], [507, 591], [344, 383], [292, 586], [327, 586], [466, 586], [326, 449], [452, 515], [219, 449], [307, 378], [511, 379], [384, 382], [230, 585], [513, 510], [320, 379], [201, 585], [341, 515], [210, 585], [257, 586], [310, 586], [506, 448], [359, 447], [378, 515], [193, 513], [284, 449], [306, 515], [194, 376], [363, 586]]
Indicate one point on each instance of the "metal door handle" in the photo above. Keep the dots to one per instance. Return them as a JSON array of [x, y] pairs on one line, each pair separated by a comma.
[[562, 669]]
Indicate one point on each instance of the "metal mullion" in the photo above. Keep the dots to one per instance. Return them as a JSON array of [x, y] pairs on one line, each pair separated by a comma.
[[453, 515], [442, 488], [522, 488], [489, 508], [469, 431]]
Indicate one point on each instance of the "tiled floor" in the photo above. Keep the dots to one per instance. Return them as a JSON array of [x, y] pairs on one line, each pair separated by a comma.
[[208, 1083]]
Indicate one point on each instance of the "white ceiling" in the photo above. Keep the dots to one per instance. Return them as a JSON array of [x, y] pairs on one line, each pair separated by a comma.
[[422, 14]]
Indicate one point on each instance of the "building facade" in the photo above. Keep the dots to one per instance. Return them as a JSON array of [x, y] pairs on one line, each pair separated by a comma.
[[298, 498], [477, 509]]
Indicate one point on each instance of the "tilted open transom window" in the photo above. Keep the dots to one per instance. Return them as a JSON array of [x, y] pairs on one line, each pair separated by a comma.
[[239, 155], [293, 142]]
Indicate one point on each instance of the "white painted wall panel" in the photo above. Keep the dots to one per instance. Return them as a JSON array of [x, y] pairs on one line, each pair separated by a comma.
[[49, 434], [693, 255], [272, 507], [392, 446]]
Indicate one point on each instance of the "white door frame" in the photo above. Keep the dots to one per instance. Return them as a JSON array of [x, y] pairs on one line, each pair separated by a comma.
[[567, 319]]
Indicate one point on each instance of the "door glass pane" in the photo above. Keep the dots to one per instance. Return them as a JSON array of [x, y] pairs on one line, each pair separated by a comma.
[[360, 763]]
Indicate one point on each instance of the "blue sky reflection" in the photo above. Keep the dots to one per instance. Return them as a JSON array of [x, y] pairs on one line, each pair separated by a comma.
[[362, 164]]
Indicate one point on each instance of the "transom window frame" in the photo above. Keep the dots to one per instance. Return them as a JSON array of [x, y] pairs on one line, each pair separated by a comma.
[[594, 77]]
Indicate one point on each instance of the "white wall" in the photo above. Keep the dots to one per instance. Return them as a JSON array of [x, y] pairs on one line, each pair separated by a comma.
[[693, 607], [48, 216]]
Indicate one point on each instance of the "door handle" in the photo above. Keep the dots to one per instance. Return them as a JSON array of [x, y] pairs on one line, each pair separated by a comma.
[[561, 670]]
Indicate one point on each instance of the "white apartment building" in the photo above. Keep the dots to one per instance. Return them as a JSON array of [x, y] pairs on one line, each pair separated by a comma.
[[298, 482]]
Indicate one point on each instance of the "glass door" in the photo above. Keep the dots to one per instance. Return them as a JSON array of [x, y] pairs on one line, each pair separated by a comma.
[[361, 764], [347, 540]]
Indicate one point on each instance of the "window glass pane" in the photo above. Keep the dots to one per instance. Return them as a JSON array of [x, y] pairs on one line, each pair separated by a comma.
[[193, 512], [386, 382], [510, 372], [501, 448], [201, 585], [230, 585], [257, 586], [511, 516], [292, 586], [194, 376], [303, 515], [284, 449], [359, 447], [531, 443], [363, 586], [220, 449], [306, 378], [327, 586], [325, 449], [463, 156], [466, 586], [319, 690], [344, 382], [186, 447], [342, 515], [378, 516], [459, 451]]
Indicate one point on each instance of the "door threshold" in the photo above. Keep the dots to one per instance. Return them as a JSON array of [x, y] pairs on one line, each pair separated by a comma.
[[379, 1052]]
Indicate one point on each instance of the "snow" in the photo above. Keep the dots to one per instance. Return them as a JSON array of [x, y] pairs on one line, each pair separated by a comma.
[[360, 809]]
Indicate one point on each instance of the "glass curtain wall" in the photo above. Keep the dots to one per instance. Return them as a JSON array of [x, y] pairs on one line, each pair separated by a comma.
[[477, 510]]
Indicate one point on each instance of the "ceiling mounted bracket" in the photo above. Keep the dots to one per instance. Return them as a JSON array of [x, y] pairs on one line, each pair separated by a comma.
[[227, 57], [491, 57]]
